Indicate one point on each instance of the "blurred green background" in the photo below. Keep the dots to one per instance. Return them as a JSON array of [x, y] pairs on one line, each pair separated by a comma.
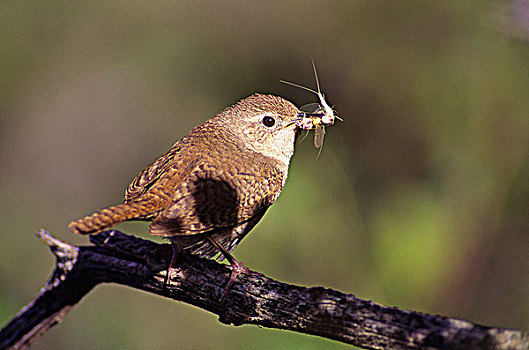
[[419, 199]]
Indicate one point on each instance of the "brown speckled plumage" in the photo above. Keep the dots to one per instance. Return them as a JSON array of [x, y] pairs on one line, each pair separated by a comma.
[[217, 181]]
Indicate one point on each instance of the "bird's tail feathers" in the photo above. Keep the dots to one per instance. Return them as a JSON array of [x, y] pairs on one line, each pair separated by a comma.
[[106, 218]]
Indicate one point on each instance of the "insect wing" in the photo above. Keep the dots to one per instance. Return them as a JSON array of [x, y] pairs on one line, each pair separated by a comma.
[[312, 108], [319, 135]]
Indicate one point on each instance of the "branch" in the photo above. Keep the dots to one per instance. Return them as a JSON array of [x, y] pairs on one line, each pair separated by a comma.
[[253, 299]]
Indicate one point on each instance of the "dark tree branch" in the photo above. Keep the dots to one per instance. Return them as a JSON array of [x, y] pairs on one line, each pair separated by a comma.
[[253, 299]]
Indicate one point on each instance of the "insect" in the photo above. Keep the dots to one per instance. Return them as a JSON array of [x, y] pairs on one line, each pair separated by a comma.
[[315, 116]]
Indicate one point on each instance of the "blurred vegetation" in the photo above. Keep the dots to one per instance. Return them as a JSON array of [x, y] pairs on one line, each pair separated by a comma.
[[419, 198]]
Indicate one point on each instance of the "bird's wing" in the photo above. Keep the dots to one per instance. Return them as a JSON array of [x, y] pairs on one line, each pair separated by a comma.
[[218, 194], [152, 173]]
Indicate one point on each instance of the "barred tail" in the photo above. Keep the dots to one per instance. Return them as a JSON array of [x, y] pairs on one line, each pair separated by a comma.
[[109, 217]]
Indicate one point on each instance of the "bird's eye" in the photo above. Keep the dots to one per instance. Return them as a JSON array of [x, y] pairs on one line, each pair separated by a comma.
[[268, 121]]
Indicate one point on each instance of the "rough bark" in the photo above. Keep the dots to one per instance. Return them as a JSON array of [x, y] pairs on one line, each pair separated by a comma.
[[253, 299]]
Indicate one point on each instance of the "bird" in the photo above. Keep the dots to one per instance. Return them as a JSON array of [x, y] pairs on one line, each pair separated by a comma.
[[215, 184]]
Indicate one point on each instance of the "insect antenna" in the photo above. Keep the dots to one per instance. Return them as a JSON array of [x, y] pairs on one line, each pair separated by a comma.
[[298, 86], [316, 76]]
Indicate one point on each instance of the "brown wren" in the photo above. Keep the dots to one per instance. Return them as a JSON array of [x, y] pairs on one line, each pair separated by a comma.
[[213, 186]]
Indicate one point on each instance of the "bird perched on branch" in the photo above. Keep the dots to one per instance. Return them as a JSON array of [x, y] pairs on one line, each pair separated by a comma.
[[213, 186]]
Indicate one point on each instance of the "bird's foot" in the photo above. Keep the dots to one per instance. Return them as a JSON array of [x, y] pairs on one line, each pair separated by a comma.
[[167, 279], [237, 268], [171, 269]]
